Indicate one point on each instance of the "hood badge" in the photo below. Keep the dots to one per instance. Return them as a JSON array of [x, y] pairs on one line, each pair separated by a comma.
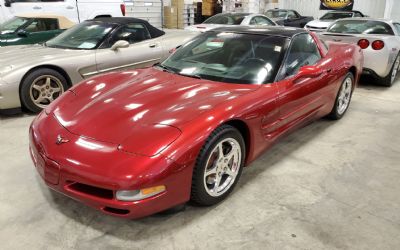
[[60, 140]]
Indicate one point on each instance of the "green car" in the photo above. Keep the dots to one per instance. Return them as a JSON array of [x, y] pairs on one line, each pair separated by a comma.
[[32, 29]]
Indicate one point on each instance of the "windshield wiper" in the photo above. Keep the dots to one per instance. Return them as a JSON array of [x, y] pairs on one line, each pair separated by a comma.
[[192, 76], [169, 70], [164, 68]]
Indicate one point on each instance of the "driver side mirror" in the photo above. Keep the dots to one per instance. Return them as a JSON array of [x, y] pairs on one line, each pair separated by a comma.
[[7, 3], [308, 72], [22, 33], [119, 45]]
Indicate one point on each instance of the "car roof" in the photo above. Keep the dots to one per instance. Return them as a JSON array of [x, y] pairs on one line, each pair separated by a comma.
[[288, 32], [119, 20], [344, 11], [368, 19]]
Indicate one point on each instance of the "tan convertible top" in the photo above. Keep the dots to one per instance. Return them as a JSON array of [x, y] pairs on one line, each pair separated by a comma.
[[64, 22]]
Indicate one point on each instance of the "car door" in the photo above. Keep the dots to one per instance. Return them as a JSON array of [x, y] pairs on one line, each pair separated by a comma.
[[297, 95], [66, 8], [26, 6], [142, 51]]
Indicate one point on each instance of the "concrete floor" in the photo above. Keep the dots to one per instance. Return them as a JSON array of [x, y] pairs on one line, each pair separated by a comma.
[[330, 185]]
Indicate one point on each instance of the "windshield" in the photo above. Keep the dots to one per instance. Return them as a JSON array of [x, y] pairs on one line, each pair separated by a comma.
[[87, 35], [13, 24], [361, 27], [276, 13], [229, 19], [336, 15], [229, 57]]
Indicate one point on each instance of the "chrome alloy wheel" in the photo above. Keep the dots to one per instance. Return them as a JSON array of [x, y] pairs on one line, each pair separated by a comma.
[[395, 69], [222, 167], [344, 96], [45, 89]]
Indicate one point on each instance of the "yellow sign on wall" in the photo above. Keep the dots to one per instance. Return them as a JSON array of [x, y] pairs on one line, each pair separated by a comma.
[[337, 4]]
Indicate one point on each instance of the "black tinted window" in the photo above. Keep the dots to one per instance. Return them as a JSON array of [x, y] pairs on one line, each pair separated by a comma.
[[131, 33], [303, 51]]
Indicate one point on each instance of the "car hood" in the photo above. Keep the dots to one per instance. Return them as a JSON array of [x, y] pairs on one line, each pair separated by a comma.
[[320, 23], [28, 55], [116, 106]]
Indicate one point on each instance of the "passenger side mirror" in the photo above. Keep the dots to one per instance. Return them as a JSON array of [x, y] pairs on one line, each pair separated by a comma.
[[308, 72], [7, 3], [120, 44], [22, 33]]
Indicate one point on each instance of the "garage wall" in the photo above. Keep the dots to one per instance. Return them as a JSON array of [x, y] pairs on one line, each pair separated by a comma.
[[373, 8]]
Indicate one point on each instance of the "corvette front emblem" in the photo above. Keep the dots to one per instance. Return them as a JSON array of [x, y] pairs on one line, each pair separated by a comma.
[[60, 140]]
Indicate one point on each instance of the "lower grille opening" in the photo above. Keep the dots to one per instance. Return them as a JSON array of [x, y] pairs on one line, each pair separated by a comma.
[[91, 190], [116, 210]]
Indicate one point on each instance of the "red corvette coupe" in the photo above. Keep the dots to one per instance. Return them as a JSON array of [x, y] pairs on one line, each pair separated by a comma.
[[138, 142]]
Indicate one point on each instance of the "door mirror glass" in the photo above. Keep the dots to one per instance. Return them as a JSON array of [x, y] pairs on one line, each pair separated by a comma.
[[308, 72], [22, 33], [120, 44]]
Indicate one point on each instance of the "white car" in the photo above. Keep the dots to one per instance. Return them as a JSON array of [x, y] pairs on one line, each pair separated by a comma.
[[330, 17], [378, 38], [230, 19], [75, 10]]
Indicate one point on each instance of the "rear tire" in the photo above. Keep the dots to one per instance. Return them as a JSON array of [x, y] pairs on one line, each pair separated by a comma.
[[343, 98], [218, 166], [391, 77], [41, 87]]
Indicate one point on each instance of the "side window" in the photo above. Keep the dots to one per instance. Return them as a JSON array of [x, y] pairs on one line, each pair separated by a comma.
[[303, 51], [291, 15], [40, 25], [253, 21], [357, 14], [397, 26], [131, 33], [260, 20]]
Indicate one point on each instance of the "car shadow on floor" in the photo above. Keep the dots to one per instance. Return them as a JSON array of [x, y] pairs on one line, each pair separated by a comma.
[[150, 226]]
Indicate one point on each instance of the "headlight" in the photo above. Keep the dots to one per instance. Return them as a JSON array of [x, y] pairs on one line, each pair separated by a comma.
[[136, 195]]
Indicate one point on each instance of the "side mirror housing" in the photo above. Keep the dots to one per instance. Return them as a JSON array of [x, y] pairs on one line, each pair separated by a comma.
[[120, 44], [22, 33], [308, 72], [7, 3]]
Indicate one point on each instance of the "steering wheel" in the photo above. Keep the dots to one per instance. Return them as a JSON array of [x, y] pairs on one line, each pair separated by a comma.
[[254, 62]]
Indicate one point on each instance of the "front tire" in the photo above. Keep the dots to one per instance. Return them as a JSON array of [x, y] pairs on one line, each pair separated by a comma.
[[343, 98], [218, 166], [391, 77], [41, 87]]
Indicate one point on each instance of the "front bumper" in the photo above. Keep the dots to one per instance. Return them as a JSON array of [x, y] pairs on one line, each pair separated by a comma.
[[91, 172], [9, 95]]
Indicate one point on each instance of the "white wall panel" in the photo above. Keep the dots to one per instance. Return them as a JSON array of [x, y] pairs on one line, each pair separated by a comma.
[[373, 8]]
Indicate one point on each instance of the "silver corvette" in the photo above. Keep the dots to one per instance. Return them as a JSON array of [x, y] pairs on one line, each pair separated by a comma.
[[33, 76], [379, 39]]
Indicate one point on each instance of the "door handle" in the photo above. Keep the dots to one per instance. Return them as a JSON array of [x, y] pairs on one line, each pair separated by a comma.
[[37, 7], [153, 45], [70, 7]]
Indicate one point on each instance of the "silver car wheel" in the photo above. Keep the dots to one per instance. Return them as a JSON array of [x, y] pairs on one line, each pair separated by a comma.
[[45, 89], [222, 167], [395, 69], [344, 96]]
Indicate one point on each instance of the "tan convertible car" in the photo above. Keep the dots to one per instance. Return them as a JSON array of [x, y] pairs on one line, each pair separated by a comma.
[[35, 75]]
